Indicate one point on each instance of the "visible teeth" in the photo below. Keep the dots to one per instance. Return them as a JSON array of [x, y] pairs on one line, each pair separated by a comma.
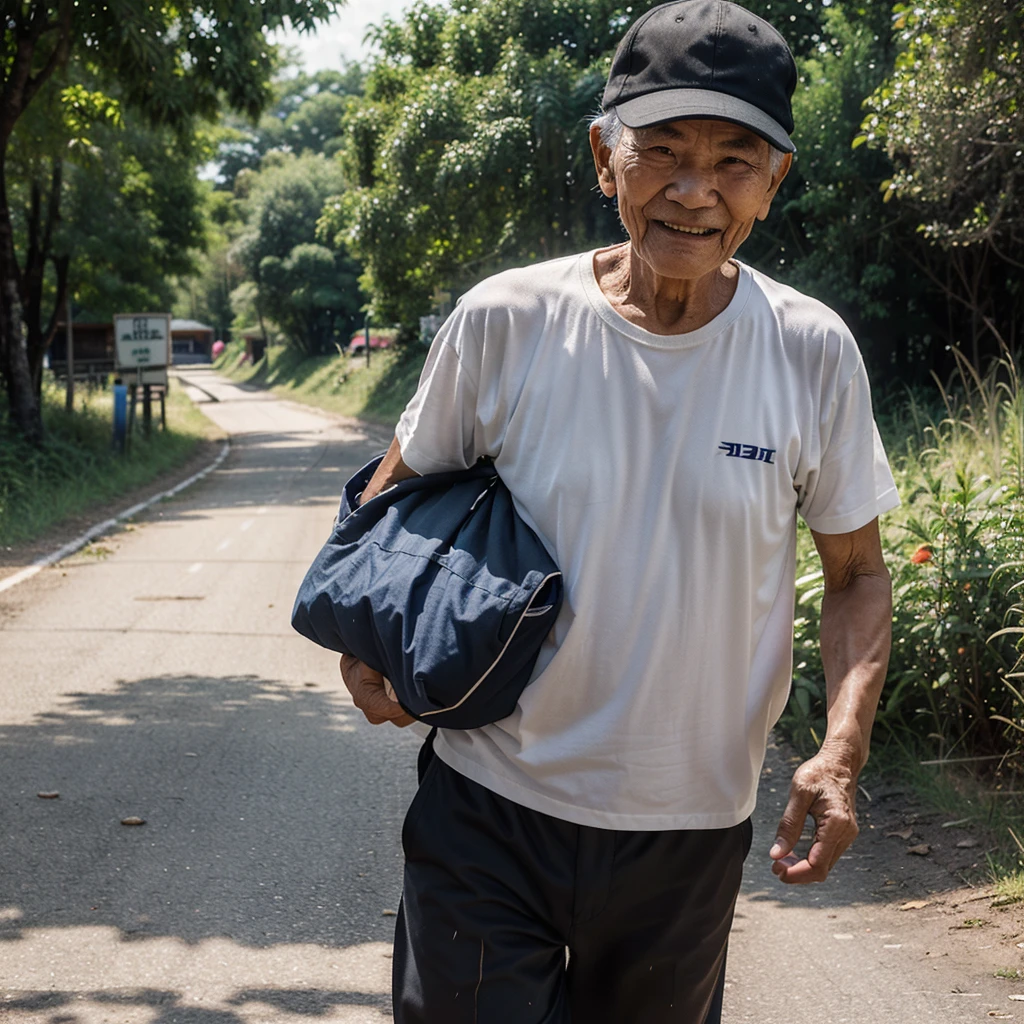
[[688, 231]]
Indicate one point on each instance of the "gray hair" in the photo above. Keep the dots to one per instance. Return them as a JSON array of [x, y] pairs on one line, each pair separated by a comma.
[[611, 135]]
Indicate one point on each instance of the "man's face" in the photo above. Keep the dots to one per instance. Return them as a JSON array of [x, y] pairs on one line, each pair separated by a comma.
[[689, 191]]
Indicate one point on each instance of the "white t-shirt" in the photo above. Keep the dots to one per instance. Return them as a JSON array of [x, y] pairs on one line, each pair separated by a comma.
[[664, 474]]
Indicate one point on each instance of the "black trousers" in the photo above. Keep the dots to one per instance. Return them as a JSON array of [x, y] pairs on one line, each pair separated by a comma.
[[495, 894]]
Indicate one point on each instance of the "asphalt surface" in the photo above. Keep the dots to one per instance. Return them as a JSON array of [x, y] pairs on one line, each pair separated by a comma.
[[155, 676]]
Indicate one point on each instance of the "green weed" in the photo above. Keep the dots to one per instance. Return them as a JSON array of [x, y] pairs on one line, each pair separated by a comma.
[[338, 383], [955, 550], [1009, 889], [76, 468]]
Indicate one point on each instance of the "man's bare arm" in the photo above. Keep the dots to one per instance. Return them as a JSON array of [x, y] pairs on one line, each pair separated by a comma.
[[371, 692], [856, 627], [391, 470]]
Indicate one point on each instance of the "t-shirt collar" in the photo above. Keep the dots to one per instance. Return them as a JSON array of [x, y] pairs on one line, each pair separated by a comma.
[[689, 339]]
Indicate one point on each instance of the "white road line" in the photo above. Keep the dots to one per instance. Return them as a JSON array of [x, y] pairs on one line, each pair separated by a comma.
[[245, 526], [107, 525], [224, 544], [195, 567]]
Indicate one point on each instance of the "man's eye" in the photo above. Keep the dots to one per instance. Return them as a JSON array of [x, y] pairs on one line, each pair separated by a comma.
[[661, 149]]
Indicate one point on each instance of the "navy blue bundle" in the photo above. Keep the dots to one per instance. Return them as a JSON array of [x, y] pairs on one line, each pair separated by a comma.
[[438, 584]]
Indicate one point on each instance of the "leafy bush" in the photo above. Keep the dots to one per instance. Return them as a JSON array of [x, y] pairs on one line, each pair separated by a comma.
[[956, 553]]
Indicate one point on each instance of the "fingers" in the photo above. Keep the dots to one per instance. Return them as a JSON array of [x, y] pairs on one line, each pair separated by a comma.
[[372, 693], [830, 842], [791, 825], [826, 792]]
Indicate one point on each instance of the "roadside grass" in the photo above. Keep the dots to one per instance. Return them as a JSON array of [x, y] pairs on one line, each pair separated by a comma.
[[77, 468], [991, 805], [337, 383], [1009, 888]]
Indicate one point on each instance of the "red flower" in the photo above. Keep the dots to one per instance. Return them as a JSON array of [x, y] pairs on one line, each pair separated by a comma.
[[922, 554]]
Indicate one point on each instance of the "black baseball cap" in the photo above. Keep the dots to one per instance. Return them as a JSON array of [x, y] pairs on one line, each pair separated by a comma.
[[704, 59]]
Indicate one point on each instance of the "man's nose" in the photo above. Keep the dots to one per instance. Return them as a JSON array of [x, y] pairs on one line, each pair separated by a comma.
[[693, 186]]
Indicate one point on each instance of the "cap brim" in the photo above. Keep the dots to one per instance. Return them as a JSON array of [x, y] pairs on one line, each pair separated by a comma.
[[688, 104]]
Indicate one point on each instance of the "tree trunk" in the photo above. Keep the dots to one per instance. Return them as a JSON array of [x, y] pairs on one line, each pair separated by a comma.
[[39, 253], [24, 403], [18, 86]]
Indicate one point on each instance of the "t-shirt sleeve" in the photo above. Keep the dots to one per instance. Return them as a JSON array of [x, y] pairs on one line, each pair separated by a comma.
[[850, 482], [438, 430]]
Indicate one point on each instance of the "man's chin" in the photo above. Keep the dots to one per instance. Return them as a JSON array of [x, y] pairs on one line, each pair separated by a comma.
[[681, 266]]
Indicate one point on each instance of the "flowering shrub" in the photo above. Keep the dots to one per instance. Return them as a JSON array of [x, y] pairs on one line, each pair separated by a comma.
[[955, 550]]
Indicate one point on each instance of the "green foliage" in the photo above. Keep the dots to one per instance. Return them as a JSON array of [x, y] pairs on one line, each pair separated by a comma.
[[132, 216], [127, 205], [951, 117], [955, 550], [204, 292], [304, 117], [469, 150], [173, 61], [313, 296], [467, 153], [76, 468], [310, 291]]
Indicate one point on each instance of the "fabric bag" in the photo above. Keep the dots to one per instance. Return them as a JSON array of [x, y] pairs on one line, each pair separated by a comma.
[[438, 584]]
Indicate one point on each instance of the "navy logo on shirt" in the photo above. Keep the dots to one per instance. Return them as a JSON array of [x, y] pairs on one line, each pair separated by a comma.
[[748, 451]]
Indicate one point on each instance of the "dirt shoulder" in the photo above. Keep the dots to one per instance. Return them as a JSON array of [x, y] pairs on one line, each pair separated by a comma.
[[926, 872], [933, 866]]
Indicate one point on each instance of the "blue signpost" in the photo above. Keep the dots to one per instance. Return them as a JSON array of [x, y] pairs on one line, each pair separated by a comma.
[[120, 415]]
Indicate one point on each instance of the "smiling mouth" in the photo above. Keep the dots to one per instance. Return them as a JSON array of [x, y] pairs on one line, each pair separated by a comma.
[[699, 232]]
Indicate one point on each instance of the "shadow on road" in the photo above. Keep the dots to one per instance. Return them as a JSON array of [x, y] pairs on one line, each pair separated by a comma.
[[874, 870], [272, 815], [169, 1007]]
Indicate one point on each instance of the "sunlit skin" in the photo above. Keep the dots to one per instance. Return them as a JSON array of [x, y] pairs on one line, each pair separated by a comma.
[[702, 174]]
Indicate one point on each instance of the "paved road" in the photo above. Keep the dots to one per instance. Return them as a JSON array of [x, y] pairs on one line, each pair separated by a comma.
[[155, 675]]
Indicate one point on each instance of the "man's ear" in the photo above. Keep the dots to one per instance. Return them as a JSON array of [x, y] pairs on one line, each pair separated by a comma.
[[777, 178], [602, 162]]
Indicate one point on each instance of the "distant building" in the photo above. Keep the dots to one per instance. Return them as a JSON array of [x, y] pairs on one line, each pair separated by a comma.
[[94, 350], [191, 342]]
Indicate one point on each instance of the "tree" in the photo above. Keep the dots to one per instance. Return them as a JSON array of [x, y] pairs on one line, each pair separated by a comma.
[[312, 295], [89, 178], [469, 151], [204, 292], [171, 62], [951, 118], [304, 116], [307, 289]]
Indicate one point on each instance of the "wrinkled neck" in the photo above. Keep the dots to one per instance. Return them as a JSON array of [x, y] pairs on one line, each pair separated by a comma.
[[662, 305]]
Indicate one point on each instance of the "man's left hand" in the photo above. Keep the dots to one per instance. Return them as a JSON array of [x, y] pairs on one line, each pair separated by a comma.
[[826, 788]]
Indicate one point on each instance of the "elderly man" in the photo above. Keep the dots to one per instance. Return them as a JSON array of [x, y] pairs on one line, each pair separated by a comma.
[[661, 413]]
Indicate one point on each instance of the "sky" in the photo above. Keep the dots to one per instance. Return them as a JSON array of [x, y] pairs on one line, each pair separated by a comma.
[[342, 36]]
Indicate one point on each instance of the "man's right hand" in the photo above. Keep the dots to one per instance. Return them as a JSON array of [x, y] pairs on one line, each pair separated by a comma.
[[372, 693]]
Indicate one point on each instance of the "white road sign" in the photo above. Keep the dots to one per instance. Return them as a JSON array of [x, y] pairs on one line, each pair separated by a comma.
[[143, 340]]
